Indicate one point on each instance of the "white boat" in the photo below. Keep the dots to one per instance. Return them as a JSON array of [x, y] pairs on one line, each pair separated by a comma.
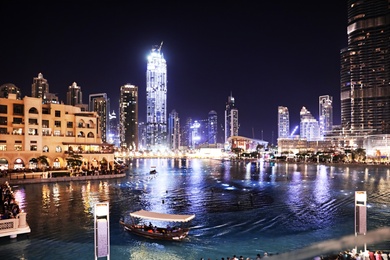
[[160, 233]]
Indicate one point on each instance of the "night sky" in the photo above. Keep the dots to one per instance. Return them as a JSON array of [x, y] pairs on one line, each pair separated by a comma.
[[266, 53]]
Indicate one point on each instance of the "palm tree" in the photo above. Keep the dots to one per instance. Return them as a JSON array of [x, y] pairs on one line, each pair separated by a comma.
[[74, 160], [42, 160]]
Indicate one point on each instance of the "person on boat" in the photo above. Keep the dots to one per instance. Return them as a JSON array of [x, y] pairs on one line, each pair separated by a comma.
[[150, 225], [169, 229]]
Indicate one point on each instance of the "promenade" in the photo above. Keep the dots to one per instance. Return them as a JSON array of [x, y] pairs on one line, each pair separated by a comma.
[[45, 177]]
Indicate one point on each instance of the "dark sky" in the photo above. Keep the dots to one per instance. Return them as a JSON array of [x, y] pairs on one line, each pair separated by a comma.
[[266, 53]]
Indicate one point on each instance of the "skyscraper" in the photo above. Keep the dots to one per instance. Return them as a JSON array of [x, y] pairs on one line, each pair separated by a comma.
[[212, 127], [309, 127], [100, 103], [283, 122], [128, 114], [74, 96], [39, 87], [365, 68], [113, 136], [325, 114], [156, 100], [174, 130], [231, 118]]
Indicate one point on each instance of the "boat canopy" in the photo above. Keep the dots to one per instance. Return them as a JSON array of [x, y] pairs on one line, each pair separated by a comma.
[[161, 216]]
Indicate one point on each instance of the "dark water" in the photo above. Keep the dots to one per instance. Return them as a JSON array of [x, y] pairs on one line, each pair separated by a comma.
[[281, 208]]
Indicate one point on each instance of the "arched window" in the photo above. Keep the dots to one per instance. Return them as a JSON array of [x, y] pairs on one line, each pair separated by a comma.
[[81, 134], [90, 135], [46, 149], [58, 149], [33, 110]]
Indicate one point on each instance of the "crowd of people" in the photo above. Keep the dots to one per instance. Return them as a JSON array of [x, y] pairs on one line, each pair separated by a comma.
[[10, 207]]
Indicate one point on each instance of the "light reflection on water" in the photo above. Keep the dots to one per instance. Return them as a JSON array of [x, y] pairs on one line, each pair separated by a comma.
[[280, 208]]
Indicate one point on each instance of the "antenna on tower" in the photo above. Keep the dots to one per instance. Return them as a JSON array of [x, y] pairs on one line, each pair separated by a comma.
[[159, 49]]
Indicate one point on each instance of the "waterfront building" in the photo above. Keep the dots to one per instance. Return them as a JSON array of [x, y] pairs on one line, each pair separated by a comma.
[[309, 127], [10, 88], [283, 122], [365, 68], [245, 143], [174, 131], [128, 117], [30, 129], [325, 114], [212, 127], [156, 100], [231, 118], [186, 134]]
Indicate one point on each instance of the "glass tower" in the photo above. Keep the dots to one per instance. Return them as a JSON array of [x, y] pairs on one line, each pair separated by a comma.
[[128, 117], [156, 100], [326, 114], [39, 87], [212, 127], [231, 118], [74, 96], [174, 130], [100, 103], [309, 127], [365, 68], [283, 122]]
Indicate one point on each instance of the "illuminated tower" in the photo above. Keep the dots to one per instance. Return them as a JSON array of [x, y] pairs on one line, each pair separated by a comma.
[[231, 118], [128, 117], [174, 130], [365, 68], [156, 100], [74, 96], [212, 127], [325, 114], [39, 87], [283, 122], [309, 126], [100, 103]]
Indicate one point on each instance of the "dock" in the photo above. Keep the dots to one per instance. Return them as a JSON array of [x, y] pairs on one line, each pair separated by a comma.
[[12, 227]]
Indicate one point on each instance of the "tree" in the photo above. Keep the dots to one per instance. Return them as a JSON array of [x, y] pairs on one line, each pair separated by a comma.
[[43, 162], [74, 160]]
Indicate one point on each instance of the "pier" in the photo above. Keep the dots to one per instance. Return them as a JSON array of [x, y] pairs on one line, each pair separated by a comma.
[[14, 226]]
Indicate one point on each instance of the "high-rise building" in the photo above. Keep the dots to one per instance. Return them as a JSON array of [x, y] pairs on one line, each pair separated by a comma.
[[156, 100], [74, 96], [231, 119], [283, 122], [174, 130], [128, 114], [39, 87], [365, 68], [100, 104], [10, 88], [309, 127], [325, 104], [212, 127]]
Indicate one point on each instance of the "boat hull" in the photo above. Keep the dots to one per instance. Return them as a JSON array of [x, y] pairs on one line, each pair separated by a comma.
[[160, 234]]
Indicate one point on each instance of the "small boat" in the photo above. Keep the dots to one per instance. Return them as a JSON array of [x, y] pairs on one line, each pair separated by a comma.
[[160, 233], [153, 170]]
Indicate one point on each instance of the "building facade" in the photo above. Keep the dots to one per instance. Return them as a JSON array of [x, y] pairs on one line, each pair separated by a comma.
[[39, 87], [174, 135], [309, 127], [30, 129], [100, 104], [283, 122], [10, 88], [231, 119], [212, 127], [74, 96], [365, 68], [156, 101], [128, 117], [325, 109]]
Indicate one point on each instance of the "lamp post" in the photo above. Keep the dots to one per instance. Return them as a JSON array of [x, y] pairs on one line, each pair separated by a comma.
[[361, 214]]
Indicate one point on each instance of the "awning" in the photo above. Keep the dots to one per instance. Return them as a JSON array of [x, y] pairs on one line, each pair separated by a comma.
[[161, 216]]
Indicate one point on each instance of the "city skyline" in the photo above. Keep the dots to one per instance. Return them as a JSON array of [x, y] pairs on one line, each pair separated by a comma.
[[267, 56]]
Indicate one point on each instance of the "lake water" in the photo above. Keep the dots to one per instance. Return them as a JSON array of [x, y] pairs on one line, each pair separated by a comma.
[[280, 208]]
